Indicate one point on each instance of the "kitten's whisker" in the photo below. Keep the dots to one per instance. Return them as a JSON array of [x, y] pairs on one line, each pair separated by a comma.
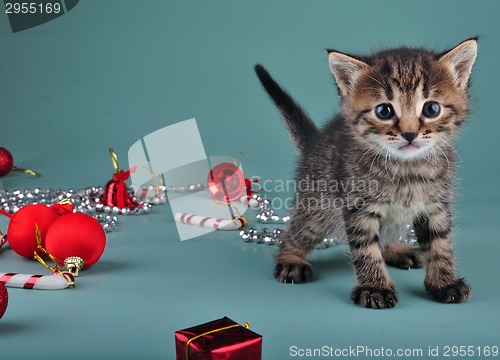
[[436, 74], [387, 169], [432, 158], [385, 86], [444, 154], [375, 158], [453, 150], [366, 152]]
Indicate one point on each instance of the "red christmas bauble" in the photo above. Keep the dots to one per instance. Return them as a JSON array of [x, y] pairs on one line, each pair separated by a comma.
[[4, 299], [226, 182], [6, 161], [77, 235], [21, 233]]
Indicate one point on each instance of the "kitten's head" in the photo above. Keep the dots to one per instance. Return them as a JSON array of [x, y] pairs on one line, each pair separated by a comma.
[[405, 101]]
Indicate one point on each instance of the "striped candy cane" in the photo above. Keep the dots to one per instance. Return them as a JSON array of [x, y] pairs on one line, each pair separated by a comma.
[[38, 282], [3, 239], [210, 222]]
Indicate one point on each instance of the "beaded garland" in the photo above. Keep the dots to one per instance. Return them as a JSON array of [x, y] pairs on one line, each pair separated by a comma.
[[274, 236], [188, 188], [86, 200], [267, 216]]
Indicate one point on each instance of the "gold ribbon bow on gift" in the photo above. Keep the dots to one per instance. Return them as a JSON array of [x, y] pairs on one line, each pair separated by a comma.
[[246, 325]]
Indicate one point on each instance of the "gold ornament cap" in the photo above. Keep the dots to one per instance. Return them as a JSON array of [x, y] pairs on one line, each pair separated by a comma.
[[73, 264]]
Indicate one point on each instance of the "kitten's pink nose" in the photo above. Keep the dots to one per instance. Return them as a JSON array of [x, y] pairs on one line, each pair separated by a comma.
[[409, 136]]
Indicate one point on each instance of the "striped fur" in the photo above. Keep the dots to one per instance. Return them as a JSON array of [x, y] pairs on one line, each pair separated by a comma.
[[409, 157]]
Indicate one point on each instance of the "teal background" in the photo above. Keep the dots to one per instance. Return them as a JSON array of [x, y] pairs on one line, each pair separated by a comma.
[[109, 72]]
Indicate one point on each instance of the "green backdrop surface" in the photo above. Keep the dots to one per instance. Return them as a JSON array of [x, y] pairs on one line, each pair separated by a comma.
[[110, 72]]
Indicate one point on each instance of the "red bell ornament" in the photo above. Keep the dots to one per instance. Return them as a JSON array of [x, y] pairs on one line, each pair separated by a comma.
[[116, 192], [21, 233], [77, 240]]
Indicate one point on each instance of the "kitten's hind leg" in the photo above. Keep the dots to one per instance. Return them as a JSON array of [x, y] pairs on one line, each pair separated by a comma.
[[403, 256]]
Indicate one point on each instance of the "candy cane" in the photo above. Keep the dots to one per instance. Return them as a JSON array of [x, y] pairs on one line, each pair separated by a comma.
[[209, 222], [37, 282], [3, 239]]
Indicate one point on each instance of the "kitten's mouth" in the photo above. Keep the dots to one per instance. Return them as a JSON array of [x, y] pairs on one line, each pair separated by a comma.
[[409, 147]]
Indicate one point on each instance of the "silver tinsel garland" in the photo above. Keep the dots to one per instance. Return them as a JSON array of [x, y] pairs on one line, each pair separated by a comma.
[[267, 216], [274, 236], [86, 200]]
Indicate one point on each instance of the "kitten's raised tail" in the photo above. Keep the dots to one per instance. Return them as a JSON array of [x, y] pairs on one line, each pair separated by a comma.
[[299, 124]]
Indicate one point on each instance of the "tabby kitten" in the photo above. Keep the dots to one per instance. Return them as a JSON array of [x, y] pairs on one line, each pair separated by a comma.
[[387, 159]]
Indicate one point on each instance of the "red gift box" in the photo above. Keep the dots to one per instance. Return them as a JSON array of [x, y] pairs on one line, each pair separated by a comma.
[[221, 339]]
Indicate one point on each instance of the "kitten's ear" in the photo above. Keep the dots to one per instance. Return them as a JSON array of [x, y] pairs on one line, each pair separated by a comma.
[[346, 70], [460, 60]]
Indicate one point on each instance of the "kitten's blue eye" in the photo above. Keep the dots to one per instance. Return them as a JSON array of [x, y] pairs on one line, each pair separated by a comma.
[[431, 109], [384, 111]]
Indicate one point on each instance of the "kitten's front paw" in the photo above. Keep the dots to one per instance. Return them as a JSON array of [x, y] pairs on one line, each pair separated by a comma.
[[292, 270], [374, 298], [456, 292]]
